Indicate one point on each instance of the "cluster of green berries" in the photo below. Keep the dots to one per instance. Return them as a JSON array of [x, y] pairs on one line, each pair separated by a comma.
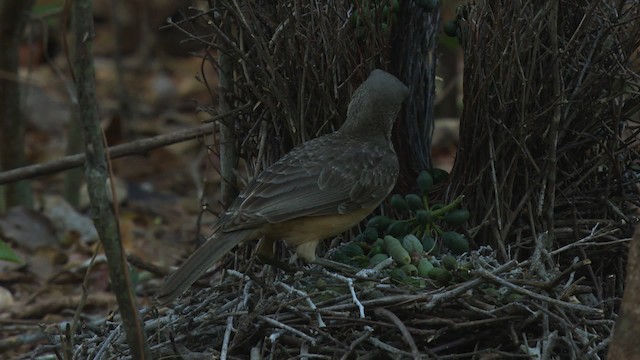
[[412, 242]]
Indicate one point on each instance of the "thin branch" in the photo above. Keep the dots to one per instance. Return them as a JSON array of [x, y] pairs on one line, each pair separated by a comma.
[[134, 147]]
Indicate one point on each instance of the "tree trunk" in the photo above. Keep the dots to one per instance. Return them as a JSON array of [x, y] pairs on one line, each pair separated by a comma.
[[625, 344], [13, 19]]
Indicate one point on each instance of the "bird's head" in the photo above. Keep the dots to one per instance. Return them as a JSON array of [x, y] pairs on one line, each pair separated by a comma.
[[375, 105]]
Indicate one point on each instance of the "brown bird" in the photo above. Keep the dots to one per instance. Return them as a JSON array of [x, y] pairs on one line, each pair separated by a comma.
[[317, 190]]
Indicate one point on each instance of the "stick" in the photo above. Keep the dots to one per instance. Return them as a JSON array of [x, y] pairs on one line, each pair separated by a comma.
[[134, 147]]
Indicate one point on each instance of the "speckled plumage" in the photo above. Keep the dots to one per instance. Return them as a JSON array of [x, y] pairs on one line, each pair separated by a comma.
[[315, 191]]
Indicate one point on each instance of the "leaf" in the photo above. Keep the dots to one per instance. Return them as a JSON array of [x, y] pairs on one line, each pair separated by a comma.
[[7, 254]]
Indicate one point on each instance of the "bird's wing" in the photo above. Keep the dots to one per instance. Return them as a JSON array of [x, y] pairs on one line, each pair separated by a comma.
[[326, 176]]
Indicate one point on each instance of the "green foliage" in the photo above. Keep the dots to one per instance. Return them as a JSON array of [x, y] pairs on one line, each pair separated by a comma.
[[7, 254]]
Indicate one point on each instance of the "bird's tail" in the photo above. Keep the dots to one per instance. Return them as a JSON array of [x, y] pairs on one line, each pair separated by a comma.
[[200, 261]]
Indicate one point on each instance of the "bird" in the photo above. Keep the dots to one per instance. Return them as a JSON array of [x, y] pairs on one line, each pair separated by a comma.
[[318, 190]]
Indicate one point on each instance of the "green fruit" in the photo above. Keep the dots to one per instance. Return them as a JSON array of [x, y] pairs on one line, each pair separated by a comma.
[[395, 249], [377, 259], [457, 217], [425, 182], [428, 243], [424, 266], [438, 175], [360, 261], [449, 262], [455, 242], [379, 222], [398, 202], [412, 244], [397, 275], [375, 250], [424, 217], [410, 269], [440, 275], [340, 257], [370, 234], [390, 241], [437, 206], [398, 229], [352, 250], [451, 28], [414, 201]]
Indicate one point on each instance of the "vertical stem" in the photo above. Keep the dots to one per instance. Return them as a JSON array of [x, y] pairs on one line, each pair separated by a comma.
[[555, 124], [228, 143], [96, 169]]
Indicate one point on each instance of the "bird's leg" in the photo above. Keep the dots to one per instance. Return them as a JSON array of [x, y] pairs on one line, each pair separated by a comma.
[[266, 255], [307, 251]]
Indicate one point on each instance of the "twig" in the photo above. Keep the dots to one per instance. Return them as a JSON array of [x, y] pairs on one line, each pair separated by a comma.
[[288, 328], [386, 347], [349, 282], [581, 308], [303, 294], [134, 147], [365, 335], [403, 330], [436, 299]]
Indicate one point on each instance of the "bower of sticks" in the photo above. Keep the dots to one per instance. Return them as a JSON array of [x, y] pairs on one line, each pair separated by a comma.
[[548, 165]]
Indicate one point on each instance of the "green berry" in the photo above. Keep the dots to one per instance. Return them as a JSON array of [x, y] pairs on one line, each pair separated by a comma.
[[425, 182], [414, 201], [398, 275], [455, 242], [424, 266], [451, 28], [438, 175], [428, 243], [398, 202], [395, 249], [449, 262], [398, 229], [375, 250], [411, 243], [377, 259], [370, 234], [441, 275], [379, 222], [410, 269], [424, 217], [352, 250], [457, 217]]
